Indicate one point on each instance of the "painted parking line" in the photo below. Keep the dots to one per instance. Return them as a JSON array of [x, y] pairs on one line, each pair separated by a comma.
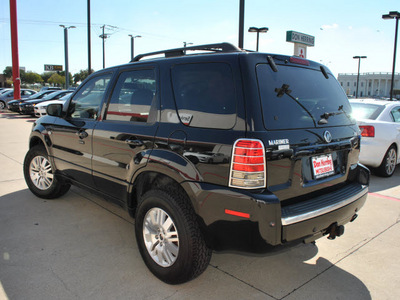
[[384, 197]]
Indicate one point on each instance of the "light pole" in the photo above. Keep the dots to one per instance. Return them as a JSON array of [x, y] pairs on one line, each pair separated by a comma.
[[358, 73], [132, 44], [258, 30], [66, 54], [393, 15]]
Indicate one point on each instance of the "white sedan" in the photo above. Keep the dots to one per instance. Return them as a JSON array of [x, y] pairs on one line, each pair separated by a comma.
[[40, 108], [379, 122]]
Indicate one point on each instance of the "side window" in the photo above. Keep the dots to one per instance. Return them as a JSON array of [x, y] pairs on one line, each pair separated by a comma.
[[86, 103], [133, 98], [205, 95], [396, 114]]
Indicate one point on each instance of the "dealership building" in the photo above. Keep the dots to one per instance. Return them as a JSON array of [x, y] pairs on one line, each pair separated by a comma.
[[370, 84]]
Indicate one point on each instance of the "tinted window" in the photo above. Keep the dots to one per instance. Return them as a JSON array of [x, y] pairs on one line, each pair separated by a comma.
[[205, 95], [133, 96], [86, 103], [297, 97], [396, 114], [366, 110]]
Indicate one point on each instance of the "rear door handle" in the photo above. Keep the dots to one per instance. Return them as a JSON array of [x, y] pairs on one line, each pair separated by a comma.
[[134, 142]]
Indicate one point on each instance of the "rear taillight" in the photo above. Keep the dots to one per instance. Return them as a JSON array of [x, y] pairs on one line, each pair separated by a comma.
[[367, 131], [248, 164]]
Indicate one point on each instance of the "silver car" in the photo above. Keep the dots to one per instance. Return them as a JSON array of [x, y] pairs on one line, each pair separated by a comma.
[[9, 95]]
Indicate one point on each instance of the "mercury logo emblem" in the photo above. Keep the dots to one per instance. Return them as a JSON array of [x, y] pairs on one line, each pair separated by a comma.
[[328, 136]]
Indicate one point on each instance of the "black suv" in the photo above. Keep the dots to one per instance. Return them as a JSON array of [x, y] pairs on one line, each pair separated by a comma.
[[225, 149]]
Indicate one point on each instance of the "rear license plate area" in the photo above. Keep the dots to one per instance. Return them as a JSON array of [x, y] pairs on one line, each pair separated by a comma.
[[322, 166]]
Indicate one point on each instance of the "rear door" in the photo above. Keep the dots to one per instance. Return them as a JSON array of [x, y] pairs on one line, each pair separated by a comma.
[[310, 139], [123, 139], [72, 136]]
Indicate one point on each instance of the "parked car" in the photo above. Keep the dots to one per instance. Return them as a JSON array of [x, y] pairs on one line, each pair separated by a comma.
[[40, 109], [50, 88], [13, 105], [9, 95], [379, 121], [291, 175], [27, 107], [3, 90]]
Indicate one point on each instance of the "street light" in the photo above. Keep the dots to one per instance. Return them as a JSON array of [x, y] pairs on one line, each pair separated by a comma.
[[258, 30], [66, 54], [358, 73], [132, 44], [393, 15]]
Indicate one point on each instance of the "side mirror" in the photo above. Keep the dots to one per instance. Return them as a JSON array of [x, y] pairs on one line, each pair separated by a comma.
[[54, 110]]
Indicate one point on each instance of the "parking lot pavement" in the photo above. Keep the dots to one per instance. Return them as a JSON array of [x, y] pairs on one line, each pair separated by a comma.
[[82, 247]]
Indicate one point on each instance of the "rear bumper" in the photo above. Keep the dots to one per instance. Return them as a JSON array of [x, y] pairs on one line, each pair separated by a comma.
[[372, 151], [340, 208], [238, 219]]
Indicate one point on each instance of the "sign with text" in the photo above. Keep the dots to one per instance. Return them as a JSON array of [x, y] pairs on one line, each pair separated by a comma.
[[301, 38], [53, 68]]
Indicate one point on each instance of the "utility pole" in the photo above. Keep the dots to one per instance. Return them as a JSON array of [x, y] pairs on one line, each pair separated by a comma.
[[89, 38], [14, 49], [241, 24], [104, 36], [66, 54]]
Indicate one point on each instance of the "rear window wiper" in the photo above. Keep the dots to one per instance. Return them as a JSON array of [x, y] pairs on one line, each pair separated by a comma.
[[285, 90], [325, 116]]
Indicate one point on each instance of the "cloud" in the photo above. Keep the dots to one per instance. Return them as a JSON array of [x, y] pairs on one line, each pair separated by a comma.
[[330, 27]]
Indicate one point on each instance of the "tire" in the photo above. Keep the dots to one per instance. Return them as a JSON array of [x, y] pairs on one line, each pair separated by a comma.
[[169, 237], [39, 176], [388, 165], [2, 105]]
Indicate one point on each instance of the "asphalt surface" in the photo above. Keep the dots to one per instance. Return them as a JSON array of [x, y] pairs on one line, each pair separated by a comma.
[[82, 247]]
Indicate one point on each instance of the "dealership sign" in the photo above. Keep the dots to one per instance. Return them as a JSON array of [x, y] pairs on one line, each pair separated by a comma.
[[53, 67], [300, 38]]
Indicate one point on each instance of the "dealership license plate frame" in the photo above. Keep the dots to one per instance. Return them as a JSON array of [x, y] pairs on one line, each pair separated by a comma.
[[316, 167]]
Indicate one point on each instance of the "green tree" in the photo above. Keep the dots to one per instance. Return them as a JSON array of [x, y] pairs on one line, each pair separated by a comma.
[[62, 73], [56, 79], [81, 76], [31, 77], [7, 72], [46, 76]]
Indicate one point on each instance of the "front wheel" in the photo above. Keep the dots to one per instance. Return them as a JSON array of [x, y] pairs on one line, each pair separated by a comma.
[[39, 175], [2, 105], [169, 237], [388, 165]]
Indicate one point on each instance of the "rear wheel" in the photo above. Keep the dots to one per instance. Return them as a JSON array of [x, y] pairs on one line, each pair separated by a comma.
[[169, 237], [388, 165], [2, 105], [39, 175]]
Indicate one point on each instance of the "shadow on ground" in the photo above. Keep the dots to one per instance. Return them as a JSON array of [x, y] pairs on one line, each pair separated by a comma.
[[74, 248]]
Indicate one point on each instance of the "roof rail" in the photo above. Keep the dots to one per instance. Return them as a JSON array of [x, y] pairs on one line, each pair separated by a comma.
[[217, 48]]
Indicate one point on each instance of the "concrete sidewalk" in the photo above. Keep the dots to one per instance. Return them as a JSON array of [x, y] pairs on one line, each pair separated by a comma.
[[82, 247]]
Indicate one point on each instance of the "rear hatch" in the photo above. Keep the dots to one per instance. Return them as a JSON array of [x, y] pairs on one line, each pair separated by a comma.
[[310, 140]]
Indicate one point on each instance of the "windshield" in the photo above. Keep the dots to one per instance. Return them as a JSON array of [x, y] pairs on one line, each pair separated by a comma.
[[297, 97], [366, 110]]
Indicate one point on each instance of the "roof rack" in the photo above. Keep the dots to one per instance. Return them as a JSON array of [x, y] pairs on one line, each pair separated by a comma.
[[217, 48]]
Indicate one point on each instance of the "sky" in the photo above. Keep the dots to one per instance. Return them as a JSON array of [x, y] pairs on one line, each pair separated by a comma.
[[342, 29]]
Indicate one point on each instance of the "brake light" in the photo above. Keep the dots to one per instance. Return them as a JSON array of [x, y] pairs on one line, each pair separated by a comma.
[[248, 164], [299, 61], [367, 130]]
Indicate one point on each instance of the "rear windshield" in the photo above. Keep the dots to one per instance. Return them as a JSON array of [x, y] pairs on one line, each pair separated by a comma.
[[366, 110], [296, 97]]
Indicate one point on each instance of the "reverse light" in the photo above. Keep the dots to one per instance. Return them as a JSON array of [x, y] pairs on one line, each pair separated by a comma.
[[248, 169], [367, 130]]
